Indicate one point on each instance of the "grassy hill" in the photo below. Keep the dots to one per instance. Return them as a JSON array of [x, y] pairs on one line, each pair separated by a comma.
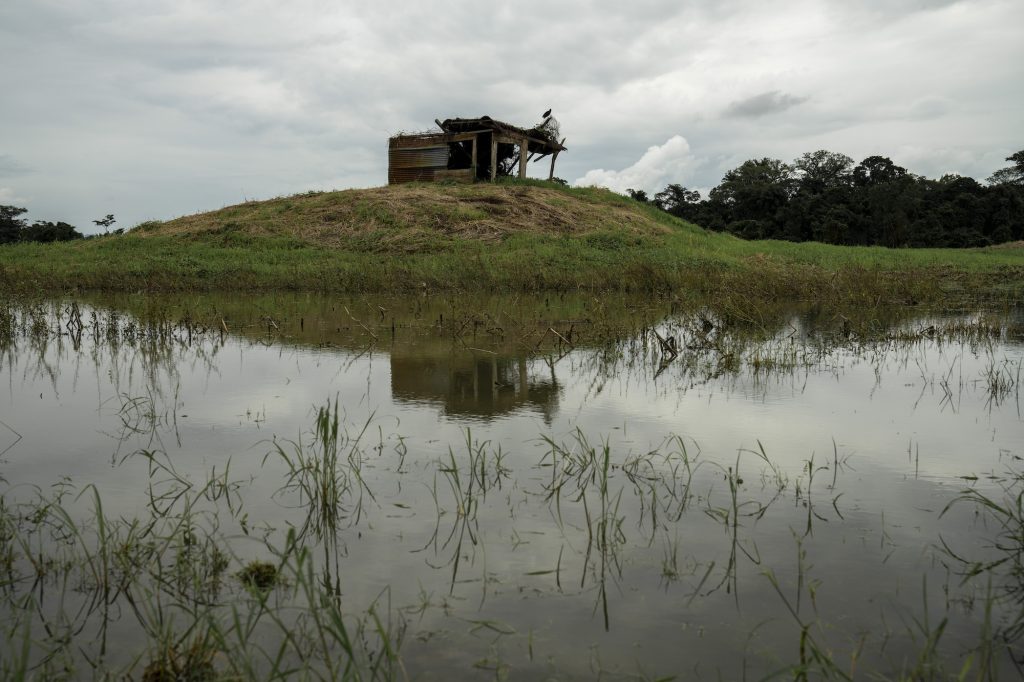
[[513, 236], [422, 217]]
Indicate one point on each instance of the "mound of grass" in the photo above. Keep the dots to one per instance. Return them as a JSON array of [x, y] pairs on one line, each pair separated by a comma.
[[417, 217], [507, 237]]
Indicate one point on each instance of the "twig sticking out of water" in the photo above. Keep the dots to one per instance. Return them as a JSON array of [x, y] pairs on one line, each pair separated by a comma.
[[365, 328]]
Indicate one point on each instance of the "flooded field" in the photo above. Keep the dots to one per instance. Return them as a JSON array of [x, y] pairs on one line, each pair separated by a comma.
[[552, 488]]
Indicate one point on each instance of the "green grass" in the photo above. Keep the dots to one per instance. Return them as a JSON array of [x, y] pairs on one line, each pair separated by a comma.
[[510, 237]]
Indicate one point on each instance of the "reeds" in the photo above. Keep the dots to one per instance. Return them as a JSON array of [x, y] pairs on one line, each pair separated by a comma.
[[71, 579], [326, 474]]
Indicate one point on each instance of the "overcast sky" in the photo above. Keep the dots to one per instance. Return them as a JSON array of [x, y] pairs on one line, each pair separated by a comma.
[[151, 109]]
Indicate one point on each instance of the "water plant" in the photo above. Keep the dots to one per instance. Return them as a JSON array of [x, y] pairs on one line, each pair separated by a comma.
[[326, 472]]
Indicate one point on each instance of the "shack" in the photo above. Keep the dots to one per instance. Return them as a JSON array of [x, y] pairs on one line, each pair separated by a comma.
[[471, 149]]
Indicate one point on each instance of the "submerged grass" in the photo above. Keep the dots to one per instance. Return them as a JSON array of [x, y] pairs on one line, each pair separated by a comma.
[[513, 237]]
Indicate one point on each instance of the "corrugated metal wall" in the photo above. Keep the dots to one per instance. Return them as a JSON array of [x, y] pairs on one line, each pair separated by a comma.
[[416, 160]]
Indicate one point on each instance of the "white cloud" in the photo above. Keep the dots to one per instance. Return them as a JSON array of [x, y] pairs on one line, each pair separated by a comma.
[[660, 165]]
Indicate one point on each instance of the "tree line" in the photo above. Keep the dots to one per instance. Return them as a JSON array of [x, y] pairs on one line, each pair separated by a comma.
[[823, 196], [14, 228]]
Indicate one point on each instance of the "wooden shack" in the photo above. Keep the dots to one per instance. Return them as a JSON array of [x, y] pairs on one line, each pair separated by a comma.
[[471, 149]]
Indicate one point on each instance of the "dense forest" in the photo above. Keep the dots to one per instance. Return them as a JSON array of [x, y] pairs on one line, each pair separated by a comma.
[[822, 196], [14, 229]]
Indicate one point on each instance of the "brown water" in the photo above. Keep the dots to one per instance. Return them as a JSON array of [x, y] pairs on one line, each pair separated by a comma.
[[534, 488]]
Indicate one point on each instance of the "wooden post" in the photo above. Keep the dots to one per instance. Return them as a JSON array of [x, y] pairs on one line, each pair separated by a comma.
[[473, 164], [551, 175], [524, 150], [494, 157], [494, 378]]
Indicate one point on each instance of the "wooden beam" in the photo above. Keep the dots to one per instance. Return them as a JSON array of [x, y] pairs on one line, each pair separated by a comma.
[[438, 140], [507, 139], [428, 140], [494, 157], [459, 137], [524, 150], [551, 175], [473, 163]]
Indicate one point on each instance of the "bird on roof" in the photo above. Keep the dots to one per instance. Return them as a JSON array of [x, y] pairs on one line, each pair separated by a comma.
[[546, 114]]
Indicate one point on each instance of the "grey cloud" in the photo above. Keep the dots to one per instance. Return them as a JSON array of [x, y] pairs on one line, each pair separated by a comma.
[[10, 167], [893, 9], [118, 106], [760, 105], [928, 108]]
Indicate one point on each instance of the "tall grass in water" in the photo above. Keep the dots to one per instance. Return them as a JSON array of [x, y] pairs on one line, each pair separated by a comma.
[[325, 472], [1003, 566], [71, 577], [469, 481]]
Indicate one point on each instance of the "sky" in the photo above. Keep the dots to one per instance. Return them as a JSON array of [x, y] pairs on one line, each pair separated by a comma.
[[153, 109]]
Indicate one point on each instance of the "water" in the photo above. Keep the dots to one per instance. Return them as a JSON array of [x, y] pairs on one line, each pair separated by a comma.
[[530, 488]]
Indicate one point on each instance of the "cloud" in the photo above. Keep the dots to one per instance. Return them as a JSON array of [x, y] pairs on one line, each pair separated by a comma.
[[658, 167], [929, 108], [10, 166], [157, 109], [9, 197], [760, 105]]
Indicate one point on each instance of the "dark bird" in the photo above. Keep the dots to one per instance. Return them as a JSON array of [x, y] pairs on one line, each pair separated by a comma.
[[546, 114]]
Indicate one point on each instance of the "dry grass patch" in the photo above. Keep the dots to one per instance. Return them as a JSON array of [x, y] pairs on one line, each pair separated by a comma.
[[400, 216]]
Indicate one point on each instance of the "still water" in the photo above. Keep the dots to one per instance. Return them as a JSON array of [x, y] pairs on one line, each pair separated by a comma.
[[558, 488]]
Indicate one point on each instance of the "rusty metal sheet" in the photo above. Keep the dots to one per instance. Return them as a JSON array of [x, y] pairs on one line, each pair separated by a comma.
[[422, 157], [416, 164]]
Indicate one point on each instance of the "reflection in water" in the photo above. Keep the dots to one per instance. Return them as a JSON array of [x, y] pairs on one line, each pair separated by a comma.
[[477, 385], [773, 497]]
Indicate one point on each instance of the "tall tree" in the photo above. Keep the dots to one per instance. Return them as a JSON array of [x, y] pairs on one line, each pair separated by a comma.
[[10, 224], [1011, 175], [823, 181], [678, 201], [823, 170], [876, 170], [753, 194]]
